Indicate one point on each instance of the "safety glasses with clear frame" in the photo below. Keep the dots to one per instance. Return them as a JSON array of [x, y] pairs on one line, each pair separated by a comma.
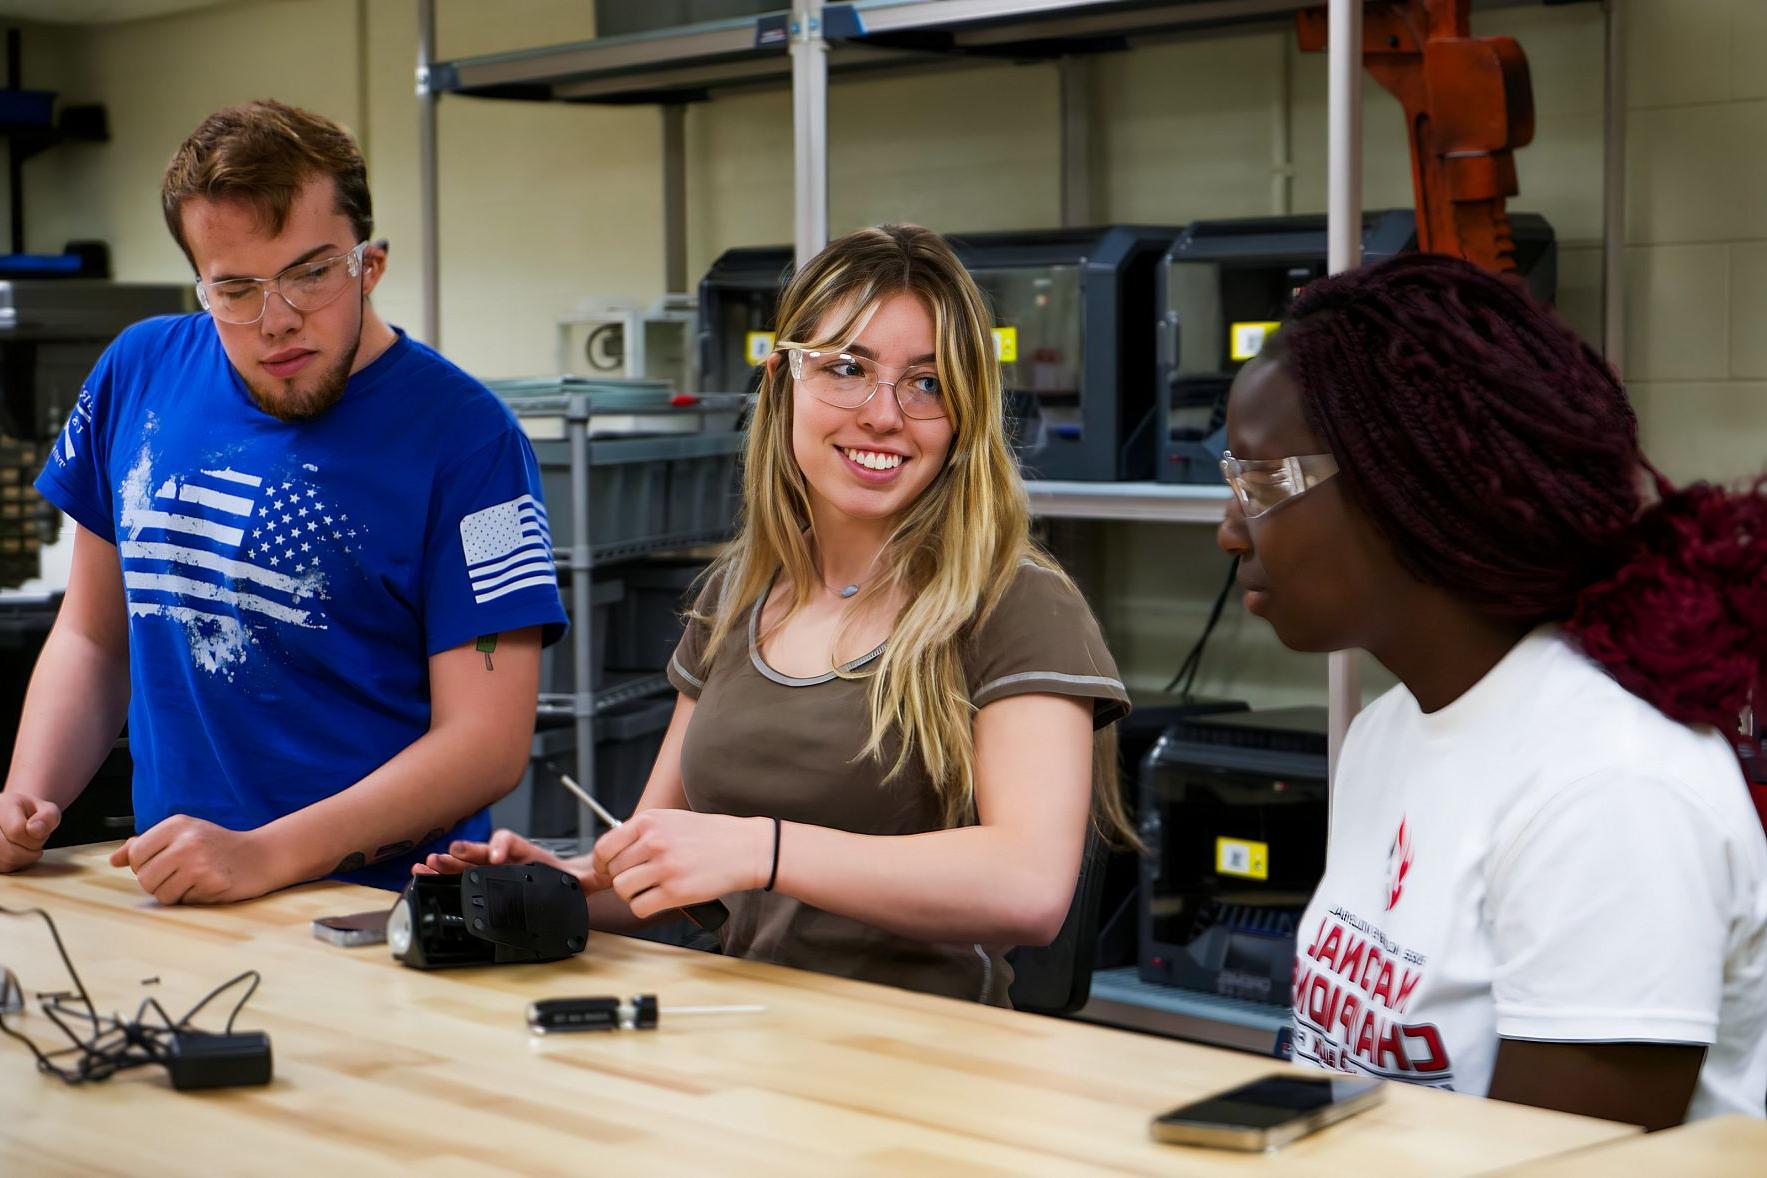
[[848, 381], [1263, 483], [306, 287]]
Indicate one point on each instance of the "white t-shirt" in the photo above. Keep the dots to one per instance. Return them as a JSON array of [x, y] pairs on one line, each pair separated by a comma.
[[1548, 858]]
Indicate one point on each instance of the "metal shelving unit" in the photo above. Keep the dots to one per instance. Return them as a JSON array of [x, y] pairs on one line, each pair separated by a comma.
[[556, 704], [1121, 999], [1171, 503], [584, 703], [815, 38]]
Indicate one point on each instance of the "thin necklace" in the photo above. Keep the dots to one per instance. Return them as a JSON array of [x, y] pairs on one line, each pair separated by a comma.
[[845, 591]]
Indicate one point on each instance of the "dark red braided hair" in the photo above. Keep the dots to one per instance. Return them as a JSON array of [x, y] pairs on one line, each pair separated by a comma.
[[1499, 456]]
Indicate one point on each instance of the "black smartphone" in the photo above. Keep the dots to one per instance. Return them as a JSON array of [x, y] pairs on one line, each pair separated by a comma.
[[1268, 1113], [358, 928]]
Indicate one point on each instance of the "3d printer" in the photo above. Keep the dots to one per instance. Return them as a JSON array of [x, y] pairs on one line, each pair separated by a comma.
[[1233, 812], [1074, 315], [1225, 285]]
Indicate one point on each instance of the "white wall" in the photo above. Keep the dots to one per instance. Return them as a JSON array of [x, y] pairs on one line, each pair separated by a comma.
[[158, 79], [1696, 257], [970, 149], [541, 205], [47, 60]]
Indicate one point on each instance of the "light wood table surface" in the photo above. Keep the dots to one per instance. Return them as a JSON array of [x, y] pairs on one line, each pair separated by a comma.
[[1723, 1147], [381, 1069]]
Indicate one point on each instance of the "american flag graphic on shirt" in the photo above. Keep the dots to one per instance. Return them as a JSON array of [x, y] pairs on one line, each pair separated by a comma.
[[508, 547], [226, 552]]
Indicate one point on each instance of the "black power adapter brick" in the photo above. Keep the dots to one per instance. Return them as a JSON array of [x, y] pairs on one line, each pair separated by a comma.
[[195, 1059], [200, 1060]]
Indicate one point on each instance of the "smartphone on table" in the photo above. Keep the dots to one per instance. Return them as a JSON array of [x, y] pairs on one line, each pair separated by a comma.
[[358, 928], [1268, 1113]]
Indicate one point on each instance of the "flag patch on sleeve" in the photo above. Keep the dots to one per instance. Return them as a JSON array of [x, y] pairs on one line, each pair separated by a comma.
[[507, 547]]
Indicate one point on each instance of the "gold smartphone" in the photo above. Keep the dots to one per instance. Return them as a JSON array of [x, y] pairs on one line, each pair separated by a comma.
[[1268, 1113]]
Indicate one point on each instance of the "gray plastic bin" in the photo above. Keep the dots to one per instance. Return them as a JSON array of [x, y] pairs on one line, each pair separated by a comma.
[[558, 661], [662, 464], [644, 491], [704, 494], [646, 624]]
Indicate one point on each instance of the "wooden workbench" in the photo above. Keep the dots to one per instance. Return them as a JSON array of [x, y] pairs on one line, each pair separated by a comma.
[[380, 1068], [1723, 1147]]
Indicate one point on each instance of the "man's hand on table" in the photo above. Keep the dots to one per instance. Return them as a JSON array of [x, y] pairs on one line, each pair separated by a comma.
[[184, 860], [25, 825]]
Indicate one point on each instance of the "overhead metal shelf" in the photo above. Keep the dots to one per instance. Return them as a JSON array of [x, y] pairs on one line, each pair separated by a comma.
[[541, 73], [678, 65], [691, 62], [621, 688], [1173, 503], [984, 25]]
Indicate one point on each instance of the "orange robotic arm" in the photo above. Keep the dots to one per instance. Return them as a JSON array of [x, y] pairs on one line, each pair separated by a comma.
[[1468, 106]]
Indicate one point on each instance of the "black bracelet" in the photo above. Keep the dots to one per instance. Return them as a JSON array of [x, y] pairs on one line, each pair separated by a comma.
[[773, 876]]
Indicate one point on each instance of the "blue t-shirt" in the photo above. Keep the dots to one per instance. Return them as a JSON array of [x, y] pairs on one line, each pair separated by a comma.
[[288, 582]]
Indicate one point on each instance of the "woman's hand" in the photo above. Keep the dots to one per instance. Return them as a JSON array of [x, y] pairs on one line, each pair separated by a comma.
[[506, 846], [665, 859]]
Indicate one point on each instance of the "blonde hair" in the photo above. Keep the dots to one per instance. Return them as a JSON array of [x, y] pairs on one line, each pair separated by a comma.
[[956, 548]]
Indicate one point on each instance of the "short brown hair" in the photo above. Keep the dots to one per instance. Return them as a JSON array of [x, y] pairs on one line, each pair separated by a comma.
[[262, 153]]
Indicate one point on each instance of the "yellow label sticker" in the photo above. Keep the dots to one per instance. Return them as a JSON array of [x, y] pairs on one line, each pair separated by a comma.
[[1243, 858], [1249, 336], [1006, 345], [758, 345]]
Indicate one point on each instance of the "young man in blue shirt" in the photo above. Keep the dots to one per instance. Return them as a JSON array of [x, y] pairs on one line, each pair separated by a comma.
[[311, 561]]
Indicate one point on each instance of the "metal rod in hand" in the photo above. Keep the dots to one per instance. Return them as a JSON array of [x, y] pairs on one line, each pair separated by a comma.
[[709, 915], [588, 799]]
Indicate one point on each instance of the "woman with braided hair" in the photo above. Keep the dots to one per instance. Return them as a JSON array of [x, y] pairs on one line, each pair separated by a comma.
[[1545, 880]]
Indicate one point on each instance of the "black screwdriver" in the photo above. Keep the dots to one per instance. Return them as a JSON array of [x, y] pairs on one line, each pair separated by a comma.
[[709, 915], [639, 1013]]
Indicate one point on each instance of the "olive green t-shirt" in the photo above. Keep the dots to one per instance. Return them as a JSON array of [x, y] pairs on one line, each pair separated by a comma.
[[768, 744]]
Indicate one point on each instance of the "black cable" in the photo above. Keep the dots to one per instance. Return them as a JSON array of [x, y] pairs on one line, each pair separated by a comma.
[[1187, 670], [43, 1061], [150, 1000], [113, 1045], [218, 990], [80, 987]]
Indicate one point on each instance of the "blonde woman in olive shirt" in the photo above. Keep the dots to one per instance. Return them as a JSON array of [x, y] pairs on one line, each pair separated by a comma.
[[888, 695]]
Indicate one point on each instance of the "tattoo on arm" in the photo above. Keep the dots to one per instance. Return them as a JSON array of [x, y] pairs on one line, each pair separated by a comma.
[[485, 646], [357, 860]]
